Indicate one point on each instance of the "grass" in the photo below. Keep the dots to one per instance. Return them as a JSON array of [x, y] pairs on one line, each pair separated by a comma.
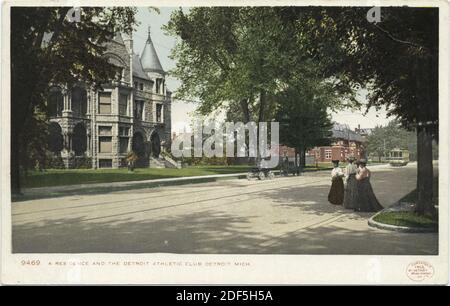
[[410, 218], [55, 177], [406, 218]]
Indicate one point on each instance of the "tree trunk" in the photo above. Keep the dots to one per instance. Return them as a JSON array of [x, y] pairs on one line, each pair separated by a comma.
[[302, 162], [296, 160], [303, 156], [424, 172], [262, 106], [15, 163], [425, 97], [262, 103], [245, 110]]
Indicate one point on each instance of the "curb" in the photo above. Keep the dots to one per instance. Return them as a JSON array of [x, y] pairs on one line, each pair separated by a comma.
[[402, 229]]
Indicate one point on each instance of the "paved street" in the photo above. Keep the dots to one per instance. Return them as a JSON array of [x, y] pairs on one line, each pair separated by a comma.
[[281, 216]]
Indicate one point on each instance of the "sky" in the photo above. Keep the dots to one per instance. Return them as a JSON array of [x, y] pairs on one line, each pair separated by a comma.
[[182, 111]]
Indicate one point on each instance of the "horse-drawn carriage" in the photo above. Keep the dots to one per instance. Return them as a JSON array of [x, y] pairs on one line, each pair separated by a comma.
[[288, 168], [261, 172]]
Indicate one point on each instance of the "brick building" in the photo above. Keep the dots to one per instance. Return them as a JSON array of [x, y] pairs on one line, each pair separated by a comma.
[[344, 143], [132, 112]]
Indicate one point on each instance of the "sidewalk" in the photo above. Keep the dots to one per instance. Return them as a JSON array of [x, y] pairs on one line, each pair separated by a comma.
[[66, 190], [58, 191]]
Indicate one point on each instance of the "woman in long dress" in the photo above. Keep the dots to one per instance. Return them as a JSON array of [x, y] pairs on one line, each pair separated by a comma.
[[351, 190], [366, 199], [336, 194]]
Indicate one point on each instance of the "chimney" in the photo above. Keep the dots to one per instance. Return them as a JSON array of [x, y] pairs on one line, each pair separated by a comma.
[[128, 41]]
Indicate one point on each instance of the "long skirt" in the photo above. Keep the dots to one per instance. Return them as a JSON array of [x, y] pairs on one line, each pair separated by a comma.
[[351, 192], [336, 194], [366, 199]]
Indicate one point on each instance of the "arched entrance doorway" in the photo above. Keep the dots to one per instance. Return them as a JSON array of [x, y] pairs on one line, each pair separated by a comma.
[[156, 144], [139, 149], [79, 140]]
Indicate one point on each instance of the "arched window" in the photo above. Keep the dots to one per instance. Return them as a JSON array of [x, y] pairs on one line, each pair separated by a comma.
[[55, 138], [79, 140], [55, 103], [79, 101]]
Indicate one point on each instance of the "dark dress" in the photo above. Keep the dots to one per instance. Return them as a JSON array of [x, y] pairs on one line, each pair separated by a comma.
[[351, 192], [336, 194], [366, 199]]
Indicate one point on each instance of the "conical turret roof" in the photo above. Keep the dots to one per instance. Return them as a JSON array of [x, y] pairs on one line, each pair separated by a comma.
[[149, 57]]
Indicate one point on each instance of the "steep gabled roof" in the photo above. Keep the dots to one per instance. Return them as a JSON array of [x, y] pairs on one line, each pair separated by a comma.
[[149, 57]]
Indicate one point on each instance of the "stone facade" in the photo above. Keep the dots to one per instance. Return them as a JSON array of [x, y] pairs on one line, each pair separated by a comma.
[[131, 113]]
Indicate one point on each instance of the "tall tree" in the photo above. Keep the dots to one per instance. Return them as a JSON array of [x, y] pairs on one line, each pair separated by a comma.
[[396, 58], [303, 125], [48, 46], [302, 113], [239, 58]]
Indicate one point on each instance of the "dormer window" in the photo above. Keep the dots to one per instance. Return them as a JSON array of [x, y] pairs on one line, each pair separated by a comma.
[[141, 86]]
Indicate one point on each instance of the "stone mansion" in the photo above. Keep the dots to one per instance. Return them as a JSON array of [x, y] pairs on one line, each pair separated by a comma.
[[130, 114]]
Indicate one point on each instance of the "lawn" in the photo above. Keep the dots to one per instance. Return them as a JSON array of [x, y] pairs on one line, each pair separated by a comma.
[[56, 177], [406, 218], [410, 218]]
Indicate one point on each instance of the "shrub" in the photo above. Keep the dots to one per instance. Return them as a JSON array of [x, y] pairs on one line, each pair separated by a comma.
[[82, 162], [54, 161]]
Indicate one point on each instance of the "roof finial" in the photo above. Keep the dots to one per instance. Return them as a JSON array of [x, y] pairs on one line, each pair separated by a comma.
[[149, 30]]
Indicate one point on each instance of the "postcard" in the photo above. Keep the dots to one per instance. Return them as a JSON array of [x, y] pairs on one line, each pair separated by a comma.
[[240, 142]]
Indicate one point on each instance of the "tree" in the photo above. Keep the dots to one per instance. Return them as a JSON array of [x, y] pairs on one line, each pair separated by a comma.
[[302, 113], [48, 48], [396, 58], [384, 139], [376, 143], [239, 59]]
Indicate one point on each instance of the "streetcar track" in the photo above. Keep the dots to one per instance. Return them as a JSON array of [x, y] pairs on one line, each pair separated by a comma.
[[166, 194], [178, 205]]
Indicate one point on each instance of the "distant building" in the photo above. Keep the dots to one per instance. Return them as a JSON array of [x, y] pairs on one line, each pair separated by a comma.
[[131, 113], [364, 132], [285, 151], [344, 143]]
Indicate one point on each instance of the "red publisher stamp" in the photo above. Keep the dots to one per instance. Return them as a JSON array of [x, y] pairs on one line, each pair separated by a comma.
[[419, 271]]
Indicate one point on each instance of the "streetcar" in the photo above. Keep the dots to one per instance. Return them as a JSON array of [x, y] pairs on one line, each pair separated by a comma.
[[398, 157]]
